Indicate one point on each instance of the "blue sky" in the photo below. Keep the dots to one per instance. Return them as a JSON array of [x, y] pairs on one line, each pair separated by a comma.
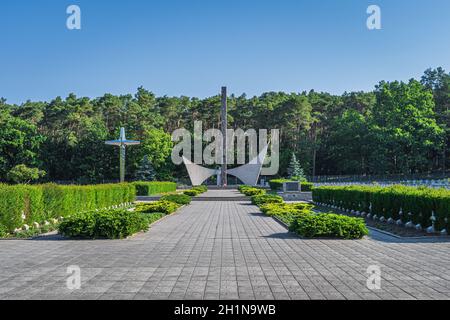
[[193, 47]]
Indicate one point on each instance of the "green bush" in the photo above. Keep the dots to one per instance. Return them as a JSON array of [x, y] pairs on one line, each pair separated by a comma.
[[153, 188], [166, 207], [191, 192], [23, 174], [294, 208], [181, 199], [251, 191], [387, 202], [261, 199], [201, 189], [43, 202], [109, 224], [153, 217], [286, 212], [3, 231], [329, 226]]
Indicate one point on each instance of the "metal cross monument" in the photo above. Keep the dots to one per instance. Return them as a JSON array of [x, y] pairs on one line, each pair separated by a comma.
[[122, 143]]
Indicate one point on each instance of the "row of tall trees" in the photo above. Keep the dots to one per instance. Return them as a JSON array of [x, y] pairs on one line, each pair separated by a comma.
[[397, 128]]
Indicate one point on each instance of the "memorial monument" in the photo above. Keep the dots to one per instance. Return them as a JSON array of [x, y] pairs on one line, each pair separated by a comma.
[[122, 143]]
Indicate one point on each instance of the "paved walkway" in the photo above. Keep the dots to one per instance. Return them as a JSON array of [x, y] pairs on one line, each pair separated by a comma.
[[226, 250]]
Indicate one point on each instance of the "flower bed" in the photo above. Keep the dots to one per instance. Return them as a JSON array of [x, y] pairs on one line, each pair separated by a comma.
[[301, 219]]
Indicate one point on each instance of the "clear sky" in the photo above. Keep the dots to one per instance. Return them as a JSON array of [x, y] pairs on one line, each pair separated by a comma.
[[193, 47]]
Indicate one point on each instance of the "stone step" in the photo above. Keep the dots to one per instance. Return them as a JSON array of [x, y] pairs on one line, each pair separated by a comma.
[[243, 198], [196, 199]]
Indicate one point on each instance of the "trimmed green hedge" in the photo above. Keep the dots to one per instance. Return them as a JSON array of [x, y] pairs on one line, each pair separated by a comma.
[[109, 224], [328, 225], [387, 202], [154, 188], [43, 202]]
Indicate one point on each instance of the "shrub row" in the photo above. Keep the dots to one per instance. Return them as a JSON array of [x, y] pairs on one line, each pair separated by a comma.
[[301, 219], [109, 224], [154, 188], [23, 204], [161, 206], [266, 198], [277, 184], [181, 199], [327, 225], [286, 212], [195, 191], [118, 224], [251, 191], [416, 204]]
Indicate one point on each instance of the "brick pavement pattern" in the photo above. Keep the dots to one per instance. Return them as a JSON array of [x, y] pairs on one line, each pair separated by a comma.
[[224, 250]]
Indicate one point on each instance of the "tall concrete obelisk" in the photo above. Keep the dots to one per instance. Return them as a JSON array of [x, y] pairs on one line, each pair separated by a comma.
[[224, 114]]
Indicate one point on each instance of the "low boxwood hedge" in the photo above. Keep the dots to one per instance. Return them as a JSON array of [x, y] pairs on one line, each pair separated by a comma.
[[162, 206], [192, 192], [327, 225], [201, 189], [251, 191], [153, 217], [154, 187], [286, 212], [103, 224], [261, 199], [294, 208], [181, 199]]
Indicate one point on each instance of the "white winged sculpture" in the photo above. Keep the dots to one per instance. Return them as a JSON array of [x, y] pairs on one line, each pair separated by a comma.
[[248, 173]]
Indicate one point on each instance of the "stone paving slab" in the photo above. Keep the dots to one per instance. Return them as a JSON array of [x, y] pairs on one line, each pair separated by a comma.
[[224, 250]]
